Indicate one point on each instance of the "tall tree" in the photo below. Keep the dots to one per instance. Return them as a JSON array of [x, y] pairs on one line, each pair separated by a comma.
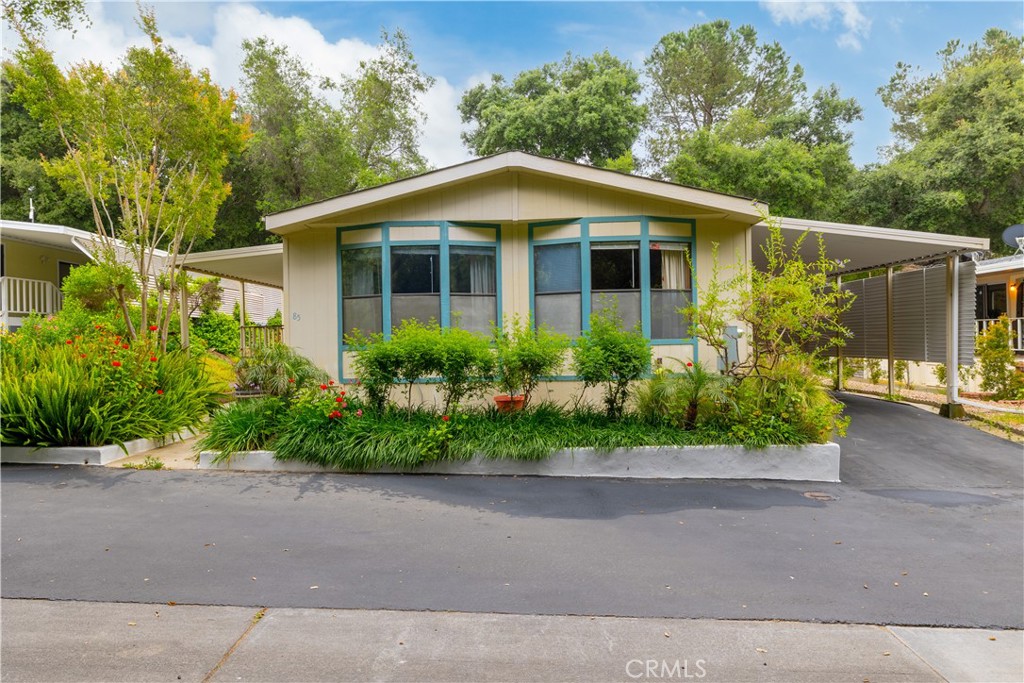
[[147, 145], [31, 15], [578, 109], [382, 106], [957, 164], [701, 76]]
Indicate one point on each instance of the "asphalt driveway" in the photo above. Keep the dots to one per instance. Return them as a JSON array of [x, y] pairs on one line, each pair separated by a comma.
[[927, 528]]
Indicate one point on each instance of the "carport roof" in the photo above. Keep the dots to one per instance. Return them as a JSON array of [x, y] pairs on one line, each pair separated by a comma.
[[864, 247], [261, 265]]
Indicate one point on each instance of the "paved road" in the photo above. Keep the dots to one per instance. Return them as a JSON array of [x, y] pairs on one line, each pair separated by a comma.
[[926, 529]]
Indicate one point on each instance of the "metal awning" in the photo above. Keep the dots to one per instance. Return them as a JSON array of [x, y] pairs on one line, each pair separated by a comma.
[[865, 247], [262, 265]]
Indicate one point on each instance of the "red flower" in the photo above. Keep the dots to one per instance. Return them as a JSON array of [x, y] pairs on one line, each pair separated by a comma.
[[331, 382], [343, 393], [334, 414], [117, 340], [152, 359], [116, 363], [359, 413], [323, 387], [291, 380], [339, 400], [445, 418], [344, 405], [83, 355], [160, 391], [99, 327], [689, 364], [152, 328], [124, 346], [69, 342]]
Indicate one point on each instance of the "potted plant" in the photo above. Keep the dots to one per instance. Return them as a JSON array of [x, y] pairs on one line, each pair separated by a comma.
[[525, 355]]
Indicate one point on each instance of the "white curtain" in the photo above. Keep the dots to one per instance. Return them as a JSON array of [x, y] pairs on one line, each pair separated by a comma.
[[481, 274], [673, 269]]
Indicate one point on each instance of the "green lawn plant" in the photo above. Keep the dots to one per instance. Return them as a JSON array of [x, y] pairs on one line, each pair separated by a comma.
[[610, 355], [526, 354], [996, 362], [97, 388]]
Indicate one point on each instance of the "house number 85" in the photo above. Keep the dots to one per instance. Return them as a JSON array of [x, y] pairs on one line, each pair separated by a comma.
[[296, 316]]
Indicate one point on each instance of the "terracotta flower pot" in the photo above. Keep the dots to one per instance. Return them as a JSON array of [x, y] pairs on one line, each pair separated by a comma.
[[509, 404]]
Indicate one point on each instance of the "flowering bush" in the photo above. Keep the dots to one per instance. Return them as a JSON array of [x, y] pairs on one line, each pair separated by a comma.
[[96, 388]]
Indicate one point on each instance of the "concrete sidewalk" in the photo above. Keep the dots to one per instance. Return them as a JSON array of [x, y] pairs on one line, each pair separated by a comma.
[[88, 641]]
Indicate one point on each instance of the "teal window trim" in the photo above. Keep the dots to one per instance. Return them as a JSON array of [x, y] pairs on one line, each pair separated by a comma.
[[644, 238], [444, 243]]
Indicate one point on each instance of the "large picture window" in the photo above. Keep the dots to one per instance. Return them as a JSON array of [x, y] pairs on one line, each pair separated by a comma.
[[361, 290], [415, 284], [558, 287], [473, 282]]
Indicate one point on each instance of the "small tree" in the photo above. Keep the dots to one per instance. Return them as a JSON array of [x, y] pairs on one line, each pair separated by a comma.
[[147, 144], [611, 355], [526, 354], [997, 371]]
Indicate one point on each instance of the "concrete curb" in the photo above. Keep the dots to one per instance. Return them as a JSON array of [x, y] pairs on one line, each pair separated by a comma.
[[813, 462], [85, 455]]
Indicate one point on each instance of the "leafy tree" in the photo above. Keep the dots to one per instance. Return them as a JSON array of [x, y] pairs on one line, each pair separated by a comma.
[[24, 145], [611, 355], [147, 145], [578, 109], [957, 164], [701, 76], [381, 104], [31, 15]]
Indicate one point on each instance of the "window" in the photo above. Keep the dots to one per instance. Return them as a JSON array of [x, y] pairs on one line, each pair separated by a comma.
[[615, 279], [991, 302], [670, 289], [558, 287], [415, 284], [361, 290], [473, 283]]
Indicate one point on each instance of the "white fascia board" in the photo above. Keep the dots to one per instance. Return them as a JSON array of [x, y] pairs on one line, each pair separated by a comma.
[[296, 219], [952, 242]]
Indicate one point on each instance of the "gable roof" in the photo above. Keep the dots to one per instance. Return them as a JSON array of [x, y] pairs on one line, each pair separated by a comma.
[[740, 208]]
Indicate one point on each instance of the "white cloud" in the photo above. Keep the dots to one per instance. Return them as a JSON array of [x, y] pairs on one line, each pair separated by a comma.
[[821, 15], [113, 31]]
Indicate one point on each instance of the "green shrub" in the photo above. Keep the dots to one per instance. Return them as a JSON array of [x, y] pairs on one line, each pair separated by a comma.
[[464, 364], [997, 369], [275, 320], [874, 369], [418, 352], [220, 332], [525, 355], [610, 355], [276, 369], [682, 400], [377, 364], [95, 286], [96, 388], [248, 425]]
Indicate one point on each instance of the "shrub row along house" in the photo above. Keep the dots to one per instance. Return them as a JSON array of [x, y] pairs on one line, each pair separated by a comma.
[[517, 234]]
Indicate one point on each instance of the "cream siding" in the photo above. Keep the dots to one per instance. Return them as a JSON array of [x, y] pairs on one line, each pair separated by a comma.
[[37, 262], [311, 321]]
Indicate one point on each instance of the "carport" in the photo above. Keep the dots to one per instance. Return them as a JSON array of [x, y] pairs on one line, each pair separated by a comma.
[[924, 314]]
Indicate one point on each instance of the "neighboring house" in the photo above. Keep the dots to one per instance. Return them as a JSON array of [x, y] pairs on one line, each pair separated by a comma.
[[999, 293], [36, 257], [517, 234]]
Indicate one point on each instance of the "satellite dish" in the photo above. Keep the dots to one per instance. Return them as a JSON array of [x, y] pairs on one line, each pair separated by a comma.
[[1013, 236]]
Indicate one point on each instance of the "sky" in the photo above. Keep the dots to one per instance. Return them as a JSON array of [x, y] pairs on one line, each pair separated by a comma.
[[853, 44]]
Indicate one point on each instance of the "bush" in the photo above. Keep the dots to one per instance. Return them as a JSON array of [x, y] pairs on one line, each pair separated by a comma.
[[525, 355], [96, 388], [997, 369], [277, 370], [377, 364], [95, 286], [220, 332], [464, 364], [275, 320], [682, 400], [248, 425], [607, 354]]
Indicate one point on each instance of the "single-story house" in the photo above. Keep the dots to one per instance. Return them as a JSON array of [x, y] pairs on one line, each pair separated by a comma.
[[518, 234], [36, 257], [999, 293]]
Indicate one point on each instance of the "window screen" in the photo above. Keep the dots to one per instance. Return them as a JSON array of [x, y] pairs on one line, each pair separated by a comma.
[[473, 288], [670, 289], [415, 284], [557, 283], [615, 280], [361, 290]]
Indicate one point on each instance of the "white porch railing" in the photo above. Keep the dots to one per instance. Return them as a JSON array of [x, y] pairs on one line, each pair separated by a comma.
[[20, 296], [1016, 331]]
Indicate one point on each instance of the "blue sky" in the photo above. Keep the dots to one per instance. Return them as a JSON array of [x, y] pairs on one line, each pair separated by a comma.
[[854, 44]]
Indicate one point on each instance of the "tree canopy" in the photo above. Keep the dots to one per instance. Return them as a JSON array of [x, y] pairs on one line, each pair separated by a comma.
[[583, 109], [957, 164]]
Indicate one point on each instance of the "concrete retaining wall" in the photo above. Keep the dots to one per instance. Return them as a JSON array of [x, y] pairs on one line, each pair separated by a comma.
[[815, 462], [84, 455]]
